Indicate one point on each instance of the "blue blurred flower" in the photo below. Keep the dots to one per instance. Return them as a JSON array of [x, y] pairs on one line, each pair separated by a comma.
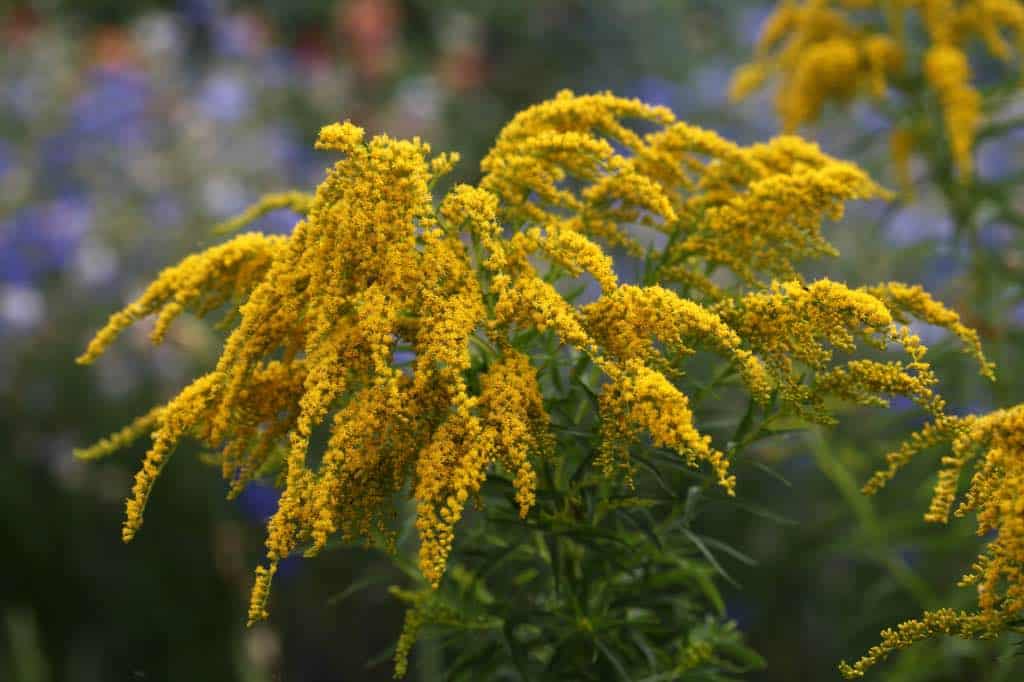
[[901, 403], [201, 13], [869, 120], [741, 611], [995, 158], [749, 22], [1017, 314], [710, 86], [41, 239], [916, 223], [910, 555], [22, 308], [258, 501], [6, 157], [112, 105], [654, 90], [996, 235], [166, 210], [278, 222], [224, 97]]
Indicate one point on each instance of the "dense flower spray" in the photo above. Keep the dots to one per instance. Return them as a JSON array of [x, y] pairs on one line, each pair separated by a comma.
[[835, 50], [375, 268]]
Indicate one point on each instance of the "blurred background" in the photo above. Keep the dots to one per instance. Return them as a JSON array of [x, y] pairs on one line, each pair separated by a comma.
[[127, 129]]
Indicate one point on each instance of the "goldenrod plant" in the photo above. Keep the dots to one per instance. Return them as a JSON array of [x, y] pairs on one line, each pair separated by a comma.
[[479, 348], [916, 60], [836, 50]]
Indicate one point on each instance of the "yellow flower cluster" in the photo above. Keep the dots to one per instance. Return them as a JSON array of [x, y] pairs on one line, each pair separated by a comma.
[[373, 269], [754, 210], [825, 50], [795, 326], [994, 444], [905, 302], [629, 319], [204, 281], [640, 398]]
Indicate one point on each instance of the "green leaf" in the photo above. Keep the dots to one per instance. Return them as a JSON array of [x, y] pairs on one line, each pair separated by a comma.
[[519, 656], [702, 546], [613, 659], [357, 586]]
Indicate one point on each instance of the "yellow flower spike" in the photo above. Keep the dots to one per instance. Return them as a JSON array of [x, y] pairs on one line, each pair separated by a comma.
[[827, 70], [578, 254], [931, 624], [299, 202], [934, 433], [642, 398], [122, 438], [867, 382], [340, 137], [748, 79], [180, 415], [218, 273], [901, 149], [949, 73], [261, 593], [627, 320], [885, 56], [789, 184], [903, 299], [797, 325], [566, 137]]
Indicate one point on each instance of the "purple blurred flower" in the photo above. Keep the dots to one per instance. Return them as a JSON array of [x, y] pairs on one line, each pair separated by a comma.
[[201, 12], [711, 86], [258, 501], [224, 97], [41, 239], [112, 105], [224, 196], [749, 23], [6, 157], [741, 611], [403, 357], [654, 90], [995, 158], [278, 222], [915, 223], [21, 308], [900, 403], [996, 235], [281, 146], [1017, 314], [166, 210], [869, 119], [244, 35]]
